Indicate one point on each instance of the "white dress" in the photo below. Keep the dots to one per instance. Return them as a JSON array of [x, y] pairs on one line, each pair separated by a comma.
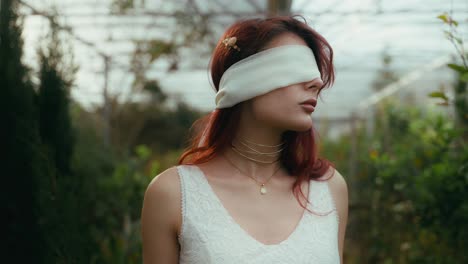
[[210, 235]]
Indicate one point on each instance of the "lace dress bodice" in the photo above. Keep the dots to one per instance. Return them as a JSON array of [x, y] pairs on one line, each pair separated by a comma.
[[210, 235]]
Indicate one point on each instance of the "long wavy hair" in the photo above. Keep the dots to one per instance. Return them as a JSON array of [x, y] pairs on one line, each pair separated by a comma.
[[215, 131]]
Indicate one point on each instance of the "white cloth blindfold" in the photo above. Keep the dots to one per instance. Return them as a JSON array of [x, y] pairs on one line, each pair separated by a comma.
[[266, 71]]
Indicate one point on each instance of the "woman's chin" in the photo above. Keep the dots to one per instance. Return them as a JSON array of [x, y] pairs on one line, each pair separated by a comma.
[[301, 126]]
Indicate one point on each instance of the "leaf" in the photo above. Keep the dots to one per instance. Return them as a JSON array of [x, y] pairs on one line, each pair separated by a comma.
[[464, 77], [458, 68], [443, 17], [155, 168], [157, 47], [447, 19], [143, 151], [458, 40], [439, 95]]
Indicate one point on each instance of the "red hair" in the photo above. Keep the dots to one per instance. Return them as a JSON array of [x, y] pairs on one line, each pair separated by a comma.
[[216, 130]]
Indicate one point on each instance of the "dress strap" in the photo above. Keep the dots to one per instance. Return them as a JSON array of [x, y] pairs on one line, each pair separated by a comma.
[[195, 199], [321, 199]]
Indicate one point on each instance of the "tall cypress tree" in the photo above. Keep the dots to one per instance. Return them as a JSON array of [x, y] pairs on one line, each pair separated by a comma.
[[56, 78], [20, 145], [60, 197]]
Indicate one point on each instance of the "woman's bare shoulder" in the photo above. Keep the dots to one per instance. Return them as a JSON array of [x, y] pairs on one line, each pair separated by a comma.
[[337, 182], [160, 218], [164, 188], [165, 182], [162, 197]]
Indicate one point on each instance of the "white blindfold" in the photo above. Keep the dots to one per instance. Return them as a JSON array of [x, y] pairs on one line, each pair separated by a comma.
[[266, 71]]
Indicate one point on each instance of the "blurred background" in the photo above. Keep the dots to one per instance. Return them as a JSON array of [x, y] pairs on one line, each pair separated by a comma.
[[98, 96]]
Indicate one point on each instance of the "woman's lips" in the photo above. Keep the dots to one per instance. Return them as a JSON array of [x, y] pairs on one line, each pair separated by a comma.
[[308, 107]]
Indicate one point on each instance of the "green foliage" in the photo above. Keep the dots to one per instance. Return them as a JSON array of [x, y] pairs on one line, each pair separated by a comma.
[[153, 87], [113, 188], [460, 101], [441, 95], [161, 128], [53, 97], [106, 185], [57, 203], [92, 161], [408, 195], [21, 158], [113, 179], [452, 34]]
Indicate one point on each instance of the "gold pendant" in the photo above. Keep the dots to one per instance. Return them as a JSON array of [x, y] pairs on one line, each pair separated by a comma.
[[263, 189]]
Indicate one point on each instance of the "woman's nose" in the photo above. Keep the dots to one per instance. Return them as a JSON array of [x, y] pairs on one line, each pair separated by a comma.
[[315, 84]]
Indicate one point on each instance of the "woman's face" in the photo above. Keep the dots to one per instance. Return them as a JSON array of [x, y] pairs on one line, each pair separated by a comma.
[[289, 107]]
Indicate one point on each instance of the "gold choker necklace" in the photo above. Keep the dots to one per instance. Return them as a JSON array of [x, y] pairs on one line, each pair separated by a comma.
[[250, 150]]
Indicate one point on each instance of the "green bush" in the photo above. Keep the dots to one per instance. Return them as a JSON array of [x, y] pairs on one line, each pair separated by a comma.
[[408, 196]]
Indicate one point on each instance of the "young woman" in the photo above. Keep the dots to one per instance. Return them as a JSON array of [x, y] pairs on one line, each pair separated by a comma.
[[251, 188]]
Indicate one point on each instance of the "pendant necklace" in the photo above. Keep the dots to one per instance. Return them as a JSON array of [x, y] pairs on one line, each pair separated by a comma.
[[263, 189]]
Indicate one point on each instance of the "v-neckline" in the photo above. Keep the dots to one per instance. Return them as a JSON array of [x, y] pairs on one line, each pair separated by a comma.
[[241, 229]]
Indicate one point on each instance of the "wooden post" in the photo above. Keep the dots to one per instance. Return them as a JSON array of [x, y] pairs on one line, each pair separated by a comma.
[[106, 108], [354, 145], [279, 7]]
